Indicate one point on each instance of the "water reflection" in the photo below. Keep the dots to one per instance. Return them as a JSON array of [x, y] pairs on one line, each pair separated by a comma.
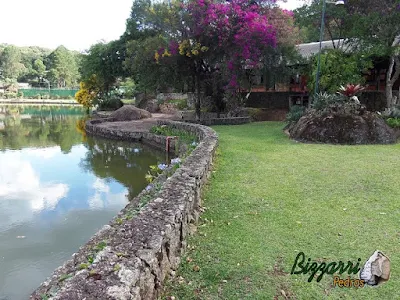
[[57, 188], [41, 126], [107, 160]]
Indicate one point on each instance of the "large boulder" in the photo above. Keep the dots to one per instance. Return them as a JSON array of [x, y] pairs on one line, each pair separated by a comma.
[[350, 129], [129, 113]]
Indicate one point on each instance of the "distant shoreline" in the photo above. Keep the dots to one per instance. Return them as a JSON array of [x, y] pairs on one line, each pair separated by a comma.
[[40, 101]]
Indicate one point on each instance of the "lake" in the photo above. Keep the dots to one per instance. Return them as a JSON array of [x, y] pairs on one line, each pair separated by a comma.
[[57, 188]]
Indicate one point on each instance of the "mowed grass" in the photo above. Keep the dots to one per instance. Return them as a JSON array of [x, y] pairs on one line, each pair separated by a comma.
[[270, 198]]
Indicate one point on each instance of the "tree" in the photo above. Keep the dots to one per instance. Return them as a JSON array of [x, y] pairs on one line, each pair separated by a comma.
[[376, 29], [225, 38], [39, 68], [10, 63], [63, 68], [104, 61], [338, 69], [149, 28], [88, 92], [308, 18], [371, 28]]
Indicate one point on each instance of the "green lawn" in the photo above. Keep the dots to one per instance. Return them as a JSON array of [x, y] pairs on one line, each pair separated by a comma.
[[270, 198]]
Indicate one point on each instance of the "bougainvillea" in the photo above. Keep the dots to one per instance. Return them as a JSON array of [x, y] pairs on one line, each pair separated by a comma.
[[226, 35]]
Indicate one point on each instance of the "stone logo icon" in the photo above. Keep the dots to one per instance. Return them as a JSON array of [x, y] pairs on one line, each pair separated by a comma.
[[376, 270]]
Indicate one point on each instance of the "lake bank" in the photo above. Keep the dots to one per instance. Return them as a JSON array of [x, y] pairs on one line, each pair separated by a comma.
[[40, 101]]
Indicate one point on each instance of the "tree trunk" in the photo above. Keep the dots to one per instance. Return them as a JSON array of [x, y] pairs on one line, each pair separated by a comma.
[[392, 75], [389, 95], [198, 98]]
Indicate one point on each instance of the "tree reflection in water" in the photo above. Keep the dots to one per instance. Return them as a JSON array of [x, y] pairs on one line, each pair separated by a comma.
[[39, 126], [127, 163]]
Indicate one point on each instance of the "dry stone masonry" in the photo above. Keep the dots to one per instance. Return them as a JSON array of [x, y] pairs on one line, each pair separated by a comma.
[[132, 256]]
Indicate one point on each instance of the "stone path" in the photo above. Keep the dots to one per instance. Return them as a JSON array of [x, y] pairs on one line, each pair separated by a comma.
[[142, 125]]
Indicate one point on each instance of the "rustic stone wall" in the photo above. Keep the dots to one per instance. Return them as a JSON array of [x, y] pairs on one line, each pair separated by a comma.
[[131, 256]]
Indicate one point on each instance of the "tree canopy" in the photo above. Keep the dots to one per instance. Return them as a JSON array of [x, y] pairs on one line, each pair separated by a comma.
[[34, 64]]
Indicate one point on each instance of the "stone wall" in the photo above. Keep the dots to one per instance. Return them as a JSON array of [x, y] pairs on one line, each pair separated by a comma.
[[210, 119], [132, 256], [167, 96]]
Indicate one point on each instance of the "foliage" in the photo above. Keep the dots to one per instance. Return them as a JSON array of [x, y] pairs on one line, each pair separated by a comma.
[[129, 88], [37, 66], [63, 68], [222, 45], [295, 113], [154, 171], [109, 103], [393, 112], [183, 135], [376, 27], [350, 90], [308, 19], [104, 61], [180, 104], [393, 122], [329, 181], [10, 63], [324, 100], [87, 93], [337, 69]]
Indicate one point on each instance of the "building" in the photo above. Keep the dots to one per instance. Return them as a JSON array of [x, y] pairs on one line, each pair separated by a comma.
[[282, 95]]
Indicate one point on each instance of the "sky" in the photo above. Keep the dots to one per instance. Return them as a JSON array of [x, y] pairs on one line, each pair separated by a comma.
[[76, 24]]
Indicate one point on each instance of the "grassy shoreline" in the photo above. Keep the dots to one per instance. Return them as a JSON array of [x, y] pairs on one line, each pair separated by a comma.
[[271, 198]]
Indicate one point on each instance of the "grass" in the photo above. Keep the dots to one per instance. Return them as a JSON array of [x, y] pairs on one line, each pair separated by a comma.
[[270, 198]]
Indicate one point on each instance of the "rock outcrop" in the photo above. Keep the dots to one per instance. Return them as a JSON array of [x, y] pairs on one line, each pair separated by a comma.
[[130, 113], [349, 129]]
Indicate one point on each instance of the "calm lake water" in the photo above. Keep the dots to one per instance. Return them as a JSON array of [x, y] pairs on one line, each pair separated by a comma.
[[57, 188]]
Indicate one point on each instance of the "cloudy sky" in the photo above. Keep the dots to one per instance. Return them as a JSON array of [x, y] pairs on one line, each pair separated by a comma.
[[76, 24]]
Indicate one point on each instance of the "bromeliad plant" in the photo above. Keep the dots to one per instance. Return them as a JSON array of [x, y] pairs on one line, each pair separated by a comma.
[[350, 91]]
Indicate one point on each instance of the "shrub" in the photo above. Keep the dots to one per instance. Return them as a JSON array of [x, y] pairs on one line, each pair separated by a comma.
[[180, 104], [295, 113], [393, 112], [324, 100], [393, 122], [109, 103]]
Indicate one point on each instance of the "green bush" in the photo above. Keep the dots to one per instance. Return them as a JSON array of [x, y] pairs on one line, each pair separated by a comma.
[[295, 113], [109, 103], [393, 122]]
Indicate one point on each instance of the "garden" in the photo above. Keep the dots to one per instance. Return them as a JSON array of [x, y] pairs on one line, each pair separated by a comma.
[[271, 198]]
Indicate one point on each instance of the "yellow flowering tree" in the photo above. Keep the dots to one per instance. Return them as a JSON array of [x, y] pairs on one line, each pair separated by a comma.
[[87, 93]]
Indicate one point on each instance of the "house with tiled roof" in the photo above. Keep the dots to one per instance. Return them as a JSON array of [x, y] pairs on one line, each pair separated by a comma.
[[294, 91]]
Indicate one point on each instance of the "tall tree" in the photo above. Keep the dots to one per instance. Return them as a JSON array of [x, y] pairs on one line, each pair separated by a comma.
[[224, 38], [105, 62], [10, 63], [63, 68], [308, 18]]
